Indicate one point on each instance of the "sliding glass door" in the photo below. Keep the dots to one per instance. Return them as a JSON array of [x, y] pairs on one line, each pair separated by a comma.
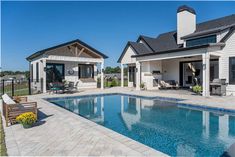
[[54, 73], [85, 71]]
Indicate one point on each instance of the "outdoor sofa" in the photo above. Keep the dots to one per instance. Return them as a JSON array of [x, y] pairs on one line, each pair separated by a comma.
[[13, 107]]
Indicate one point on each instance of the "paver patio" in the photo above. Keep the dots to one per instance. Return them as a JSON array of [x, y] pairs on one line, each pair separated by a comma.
[[60, 132]]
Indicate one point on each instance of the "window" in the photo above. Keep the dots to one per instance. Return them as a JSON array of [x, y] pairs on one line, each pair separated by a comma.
[[37, 73], [201, 41], [232, 70], [86, 71], [31, 72]]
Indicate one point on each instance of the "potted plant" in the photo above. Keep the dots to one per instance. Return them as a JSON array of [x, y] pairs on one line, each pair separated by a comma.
[[197, 89], [142, 86], [27, 119]]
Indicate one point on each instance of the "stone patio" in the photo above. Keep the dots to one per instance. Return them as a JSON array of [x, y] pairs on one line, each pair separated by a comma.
[[60, 132]]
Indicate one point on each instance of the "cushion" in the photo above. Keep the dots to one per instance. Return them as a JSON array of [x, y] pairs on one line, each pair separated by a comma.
[[7, 99]]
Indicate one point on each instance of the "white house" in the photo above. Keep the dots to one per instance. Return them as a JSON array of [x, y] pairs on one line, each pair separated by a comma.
[[73, 61], [207, 47]]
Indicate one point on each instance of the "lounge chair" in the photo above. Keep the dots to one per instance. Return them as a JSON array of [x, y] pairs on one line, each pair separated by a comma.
[[11, 109], [168, 84]]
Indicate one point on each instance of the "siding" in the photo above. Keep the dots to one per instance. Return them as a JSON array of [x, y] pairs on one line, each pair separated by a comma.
[[228, 51]]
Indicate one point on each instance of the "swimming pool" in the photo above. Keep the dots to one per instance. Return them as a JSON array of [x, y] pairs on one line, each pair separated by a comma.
[[167, 126]]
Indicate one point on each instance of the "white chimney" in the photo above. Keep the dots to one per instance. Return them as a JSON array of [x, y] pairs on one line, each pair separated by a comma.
[[186, 22]]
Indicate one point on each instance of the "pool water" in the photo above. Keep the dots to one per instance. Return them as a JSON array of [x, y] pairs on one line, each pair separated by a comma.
[[166, 126]]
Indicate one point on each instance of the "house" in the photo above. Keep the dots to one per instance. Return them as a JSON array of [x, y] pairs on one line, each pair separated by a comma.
[[202, 51], [73, 61]]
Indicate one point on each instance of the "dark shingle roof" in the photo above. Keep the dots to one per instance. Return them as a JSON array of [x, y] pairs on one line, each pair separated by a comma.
[[168, 41], [216, 23], [213, 26], [165, 41], [187, 8], [140, 48], [41, 52]]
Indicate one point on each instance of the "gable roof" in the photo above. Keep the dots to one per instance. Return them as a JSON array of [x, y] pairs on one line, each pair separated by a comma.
[[139, 49], [167, 42], [41, 52]]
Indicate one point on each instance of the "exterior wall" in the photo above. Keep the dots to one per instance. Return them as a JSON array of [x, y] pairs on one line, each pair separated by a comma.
[[127, 59], [228, 51], [185, 28], [74, 77], [37, 86], [147, 75]]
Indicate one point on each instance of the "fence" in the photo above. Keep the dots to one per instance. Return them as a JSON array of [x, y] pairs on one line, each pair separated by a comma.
[[14, 87]]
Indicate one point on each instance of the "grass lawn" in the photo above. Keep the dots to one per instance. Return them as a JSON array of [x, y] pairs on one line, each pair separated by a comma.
[[3, 150]]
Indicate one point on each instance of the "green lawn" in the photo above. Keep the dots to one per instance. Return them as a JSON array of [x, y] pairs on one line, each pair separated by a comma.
[[3, 150], [19, 89]]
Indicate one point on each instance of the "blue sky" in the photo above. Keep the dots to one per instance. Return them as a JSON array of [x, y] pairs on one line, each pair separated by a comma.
[[27, 27]]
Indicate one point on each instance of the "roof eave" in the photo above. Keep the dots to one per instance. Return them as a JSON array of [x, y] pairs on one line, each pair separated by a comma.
[[174, 50]]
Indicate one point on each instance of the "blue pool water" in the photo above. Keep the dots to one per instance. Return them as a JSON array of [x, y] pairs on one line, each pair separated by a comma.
[[169, 127]]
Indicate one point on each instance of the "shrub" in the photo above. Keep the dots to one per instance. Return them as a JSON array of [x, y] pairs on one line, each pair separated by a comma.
[[142, 85], [26, 119], [113, 83], [197, 89]]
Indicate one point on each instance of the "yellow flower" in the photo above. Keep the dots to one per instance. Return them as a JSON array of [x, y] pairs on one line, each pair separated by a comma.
[[27, 118]]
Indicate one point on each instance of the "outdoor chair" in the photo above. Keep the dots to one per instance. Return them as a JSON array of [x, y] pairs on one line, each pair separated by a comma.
[[71, 87], [11, 109], [168, 84]]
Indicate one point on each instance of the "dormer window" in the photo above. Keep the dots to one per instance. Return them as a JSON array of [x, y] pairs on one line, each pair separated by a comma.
[[201, 41]]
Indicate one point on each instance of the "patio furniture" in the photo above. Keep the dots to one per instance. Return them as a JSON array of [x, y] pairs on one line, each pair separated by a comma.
[[70, 88], [56, 86], [169, 84], [218, 87], [11, 109]]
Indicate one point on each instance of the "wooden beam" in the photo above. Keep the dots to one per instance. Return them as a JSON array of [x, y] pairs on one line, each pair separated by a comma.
[[81, 51]]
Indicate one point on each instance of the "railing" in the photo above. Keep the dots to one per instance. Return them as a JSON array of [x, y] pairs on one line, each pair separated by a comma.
[[19, 87]]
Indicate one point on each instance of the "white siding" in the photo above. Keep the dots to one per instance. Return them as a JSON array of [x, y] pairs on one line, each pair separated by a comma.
[[127, 59], [228, 51]]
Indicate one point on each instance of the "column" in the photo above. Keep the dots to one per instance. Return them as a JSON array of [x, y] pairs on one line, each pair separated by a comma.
[[206, 123], [138, 75], [102, 75], [122, 75], [206, 74], [44, 76], [102, 108], [224, 127]]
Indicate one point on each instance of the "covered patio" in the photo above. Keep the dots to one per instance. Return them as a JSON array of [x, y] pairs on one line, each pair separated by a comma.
[[183, 67], [74, 61]]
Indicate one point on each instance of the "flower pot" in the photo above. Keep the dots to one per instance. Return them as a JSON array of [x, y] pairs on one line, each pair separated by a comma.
[[26, 126]]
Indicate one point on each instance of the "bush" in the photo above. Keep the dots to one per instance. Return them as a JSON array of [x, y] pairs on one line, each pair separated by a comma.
[[142, 85], [197, 89], [113, 83], [26, 119]]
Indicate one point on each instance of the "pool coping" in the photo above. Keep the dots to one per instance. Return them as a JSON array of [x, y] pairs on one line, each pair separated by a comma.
[[178, 101]]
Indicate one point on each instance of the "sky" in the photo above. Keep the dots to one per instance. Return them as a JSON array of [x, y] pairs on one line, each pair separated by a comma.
[[27, 27]]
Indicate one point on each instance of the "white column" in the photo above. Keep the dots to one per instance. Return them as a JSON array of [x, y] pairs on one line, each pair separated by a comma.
[[206, 74], [137, 75], [102, 75], [206, 123], [122, 75], [223, 127], [44, 76], [102, 108]]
